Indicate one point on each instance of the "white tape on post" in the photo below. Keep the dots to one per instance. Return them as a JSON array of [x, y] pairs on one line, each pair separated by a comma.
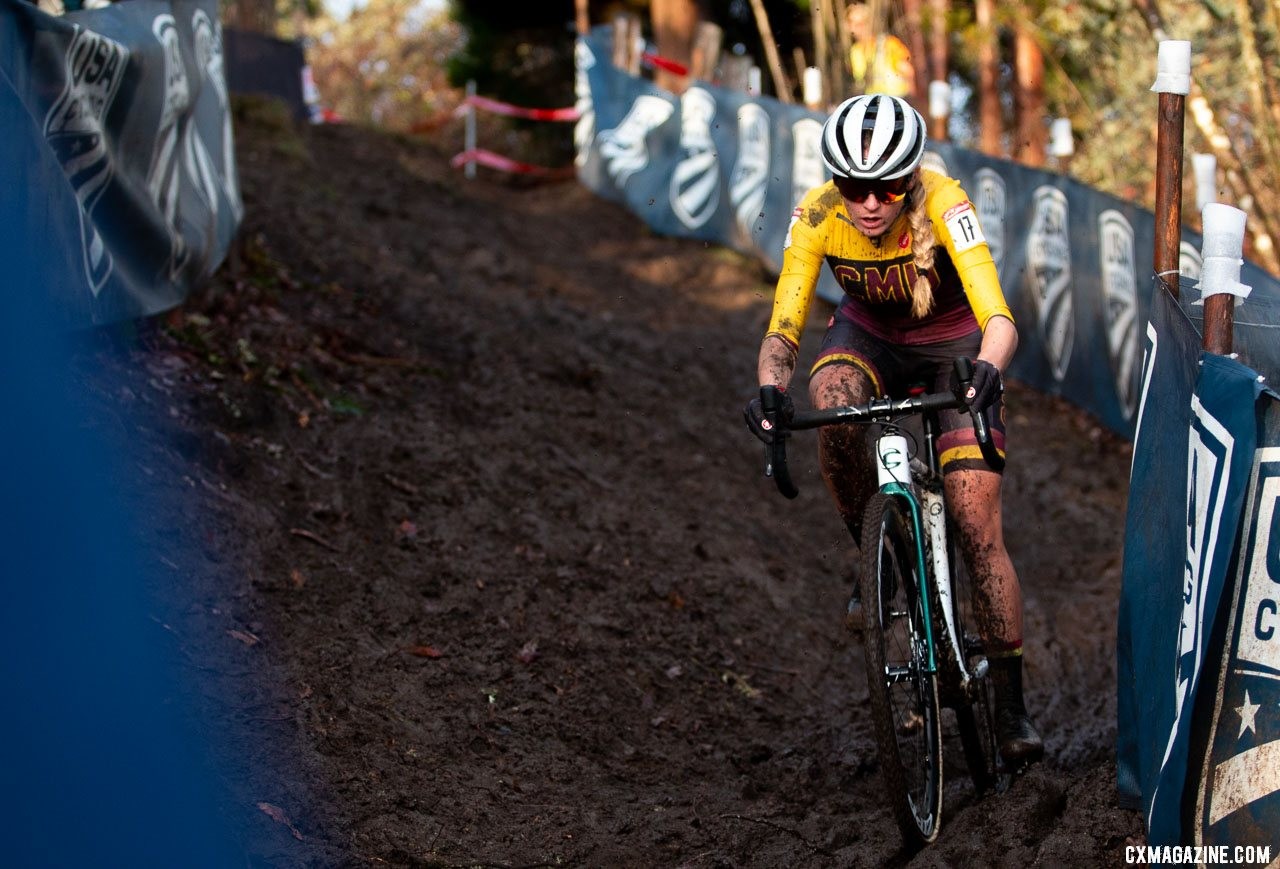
[[813, 87], [1205, 167], [753, 81], [1220, 252], [1173, 67], [939, 99], [1061, 143]]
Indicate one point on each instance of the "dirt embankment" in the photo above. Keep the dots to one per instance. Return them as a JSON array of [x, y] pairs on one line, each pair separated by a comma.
[[487, 571]]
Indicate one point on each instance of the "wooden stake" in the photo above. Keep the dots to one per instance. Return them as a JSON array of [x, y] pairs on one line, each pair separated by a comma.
[[1169, 138], [780, 83]]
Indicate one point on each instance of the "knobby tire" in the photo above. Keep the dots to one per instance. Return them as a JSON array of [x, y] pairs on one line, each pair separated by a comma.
[[905, 711]]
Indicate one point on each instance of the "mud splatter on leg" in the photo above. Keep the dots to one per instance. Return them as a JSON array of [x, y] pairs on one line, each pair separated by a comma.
[[842, 450]]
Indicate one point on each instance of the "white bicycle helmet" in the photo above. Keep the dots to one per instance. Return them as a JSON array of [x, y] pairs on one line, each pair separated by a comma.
[[895, 144]]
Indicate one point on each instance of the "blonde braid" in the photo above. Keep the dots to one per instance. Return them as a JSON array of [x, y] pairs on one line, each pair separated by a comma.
[[923, 245]]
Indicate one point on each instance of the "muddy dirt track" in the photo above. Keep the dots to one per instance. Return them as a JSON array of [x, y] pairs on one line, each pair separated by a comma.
[[487, 571]]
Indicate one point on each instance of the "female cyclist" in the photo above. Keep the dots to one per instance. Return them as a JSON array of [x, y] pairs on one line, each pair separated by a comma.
[[920, 288]]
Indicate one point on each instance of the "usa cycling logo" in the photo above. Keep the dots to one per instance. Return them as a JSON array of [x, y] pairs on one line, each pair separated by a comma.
[[991, 201], [207, 39], [1209, 451], [1242, 788], [1049, 273], [750, 177], [695, 183], [623, 148], [73, 127], [807, 168], [164, 179], [1120, 305]]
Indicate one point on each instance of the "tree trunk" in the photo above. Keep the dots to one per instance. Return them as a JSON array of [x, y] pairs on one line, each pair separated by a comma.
[[1262, 90], [913, 36], [990, 114], [818, 13], [674, 23], [1028, 99], [939, 53], [258, 16], [780, 83]]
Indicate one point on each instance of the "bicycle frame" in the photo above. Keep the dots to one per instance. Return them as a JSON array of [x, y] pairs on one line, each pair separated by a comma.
[[913, 652], [922, 486], [917, 483]]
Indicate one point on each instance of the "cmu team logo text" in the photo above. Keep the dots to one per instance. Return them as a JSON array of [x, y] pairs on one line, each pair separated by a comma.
[[882, 283]]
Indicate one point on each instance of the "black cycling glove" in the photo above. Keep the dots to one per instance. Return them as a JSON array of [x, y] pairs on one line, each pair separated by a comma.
[[985, 388], [754, 415]]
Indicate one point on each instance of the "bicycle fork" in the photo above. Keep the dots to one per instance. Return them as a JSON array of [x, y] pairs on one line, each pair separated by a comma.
[[935, 517], [893, 472]]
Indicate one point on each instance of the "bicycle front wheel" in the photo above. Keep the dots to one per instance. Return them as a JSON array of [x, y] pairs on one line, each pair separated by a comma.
[[904, 694]]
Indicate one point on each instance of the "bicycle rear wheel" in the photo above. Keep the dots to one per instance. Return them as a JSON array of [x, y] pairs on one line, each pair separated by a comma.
[[904, 695]]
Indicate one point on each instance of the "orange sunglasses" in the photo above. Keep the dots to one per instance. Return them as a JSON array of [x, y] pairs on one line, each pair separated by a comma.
[[857, 189]]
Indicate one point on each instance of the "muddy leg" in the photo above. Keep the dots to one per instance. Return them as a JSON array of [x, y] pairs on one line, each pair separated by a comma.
[[842, 449], [974, 499]]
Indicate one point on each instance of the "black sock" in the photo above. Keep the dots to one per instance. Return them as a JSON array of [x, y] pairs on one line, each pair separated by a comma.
[[1006, 678]]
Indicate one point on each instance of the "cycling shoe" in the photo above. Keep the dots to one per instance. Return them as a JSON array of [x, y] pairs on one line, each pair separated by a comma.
[[1020, 743]]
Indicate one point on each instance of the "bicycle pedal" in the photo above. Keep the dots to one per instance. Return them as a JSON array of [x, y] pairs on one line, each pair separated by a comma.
[[980, 668]]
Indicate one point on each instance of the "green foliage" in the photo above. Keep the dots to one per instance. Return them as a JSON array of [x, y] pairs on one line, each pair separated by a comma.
[[385, 64]]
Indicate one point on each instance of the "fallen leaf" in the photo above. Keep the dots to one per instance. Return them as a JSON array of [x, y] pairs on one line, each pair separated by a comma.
[[424, 651], [406, 530], [277, 814], [528, 652], [245, 637], [297, 578], [740, 682]]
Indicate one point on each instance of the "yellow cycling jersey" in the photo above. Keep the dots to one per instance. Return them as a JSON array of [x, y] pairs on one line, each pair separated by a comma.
[[877, 274]]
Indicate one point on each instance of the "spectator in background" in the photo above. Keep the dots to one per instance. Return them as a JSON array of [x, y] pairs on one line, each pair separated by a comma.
[[880, 62]]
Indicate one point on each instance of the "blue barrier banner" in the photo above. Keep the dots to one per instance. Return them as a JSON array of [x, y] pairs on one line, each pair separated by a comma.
[[1197, 443], [722, 166], [1150, 598], [1239, 797], [130, 102]]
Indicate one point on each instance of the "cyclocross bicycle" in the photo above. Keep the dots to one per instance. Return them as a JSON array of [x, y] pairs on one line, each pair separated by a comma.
[[917, 601]]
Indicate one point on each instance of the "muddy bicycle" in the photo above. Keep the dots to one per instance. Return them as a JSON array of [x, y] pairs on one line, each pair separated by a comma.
[[922, 651]]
